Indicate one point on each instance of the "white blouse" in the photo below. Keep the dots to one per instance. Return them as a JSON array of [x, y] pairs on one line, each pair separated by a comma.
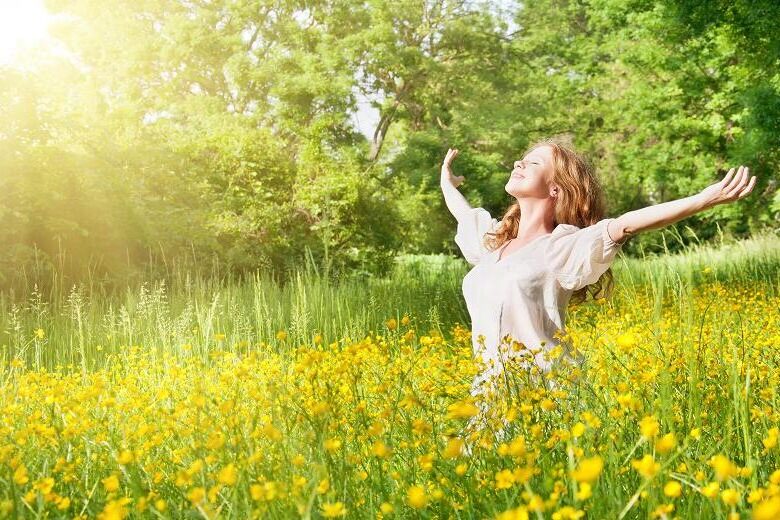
[[525, 294]]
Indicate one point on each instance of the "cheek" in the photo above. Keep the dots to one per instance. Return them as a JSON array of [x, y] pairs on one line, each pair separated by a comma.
[[536, 181]]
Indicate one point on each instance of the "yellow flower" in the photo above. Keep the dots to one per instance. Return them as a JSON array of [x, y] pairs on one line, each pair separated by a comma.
[[386, 508], [646, 466], [281, 335], [44, 485], [517, 447], [770, 441], [115, 510], [415, 497], [768, 509], [426, 461], [666, 443], [125, 457], [577, 430], [323, 486], [627, 340], [519, 513], [454, 448], [730, 497], [711, 490], [696, 433], [462, 410], [419, 427], [523, 475], [584, 492], [663, 510], [111, 483], [504, 479], [672, 489], [568, 513], [39, 333], [724, 468], [20, 475], [536, 503], [219, 337], [649, 426], [228, 475], [196, 495], [380, 450], [256, 491], [588, 470], [755, 496], [461, 469], [332, 444], [628, 401], [332, 510], [392, 324], [213, 492], [547, 404]]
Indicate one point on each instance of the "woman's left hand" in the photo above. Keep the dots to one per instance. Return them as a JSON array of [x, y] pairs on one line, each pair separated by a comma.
[[732, 187]]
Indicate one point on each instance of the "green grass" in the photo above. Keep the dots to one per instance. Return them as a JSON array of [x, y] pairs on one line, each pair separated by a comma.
[[85, 321]]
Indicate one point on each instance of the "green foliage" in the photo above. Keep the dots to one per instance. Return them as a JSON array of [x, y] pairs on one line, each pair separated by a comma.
[[222, 130]]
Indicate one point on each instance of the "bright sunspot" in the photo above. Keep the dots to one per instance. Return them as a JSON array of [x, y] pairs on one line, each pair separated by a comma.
[[23, 23]]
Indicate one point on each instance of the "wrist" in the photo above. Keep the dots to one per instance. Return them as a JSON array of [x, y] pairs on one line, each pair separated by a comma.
[[703, 201]]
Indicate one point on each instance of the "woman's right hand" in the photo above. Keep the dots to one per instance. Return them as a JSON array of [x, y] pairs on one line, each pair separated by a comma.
[[446, 170]]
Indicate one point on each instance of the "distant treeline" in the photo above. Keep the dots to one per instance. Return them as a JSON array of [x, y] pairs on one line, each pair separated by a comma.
[[223, 131]]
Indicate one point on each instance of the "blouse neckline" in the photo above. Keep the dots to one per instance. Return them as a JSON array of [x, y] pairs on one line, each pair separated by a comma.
[[501, 249]]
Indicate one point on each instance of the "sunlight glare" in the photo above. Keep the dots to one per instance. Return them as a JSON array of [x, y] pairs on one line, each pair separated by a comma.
[[23, 23]]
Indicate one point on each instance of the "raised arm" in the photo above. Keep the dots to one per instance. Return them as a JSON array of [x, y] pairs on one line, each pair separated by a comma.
[[454, 199], [731, 188]]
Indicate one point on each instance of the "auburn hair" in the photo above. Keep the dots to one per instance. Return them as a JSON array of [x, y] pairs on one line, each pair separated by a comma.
[[580, 202]]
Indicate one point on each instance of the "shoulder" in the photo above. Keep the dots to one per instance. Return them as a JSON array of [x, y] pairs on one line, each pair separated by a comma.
[[596, 229], [567, 236], [565, 229]]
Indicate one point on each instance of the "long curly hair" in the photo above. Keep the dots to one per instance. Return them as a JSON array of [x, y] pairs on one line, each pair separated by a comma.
[[580, 202]]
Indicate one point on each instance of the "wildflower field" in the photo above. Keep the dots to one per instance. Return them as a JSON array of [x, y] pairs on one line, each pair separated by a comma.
[[197, 398]]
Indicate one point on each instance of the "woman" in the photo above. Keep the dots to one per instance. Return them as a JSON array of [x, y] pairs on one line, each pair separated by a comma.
[[527, 270]]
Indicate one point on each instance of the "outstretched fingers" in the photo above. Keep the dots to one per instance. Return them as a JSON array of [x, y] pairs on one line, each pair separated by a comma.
[[748, 188], [727, 179], [738, 183]]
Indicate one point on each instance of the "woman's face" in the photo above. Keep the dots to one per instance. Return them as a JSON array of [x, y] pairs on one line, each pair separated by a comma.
[[530, 175]]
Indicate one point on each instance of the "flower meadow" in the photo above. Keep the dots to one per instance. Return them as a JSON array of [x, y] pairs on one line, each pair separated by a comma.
[[673, 414]]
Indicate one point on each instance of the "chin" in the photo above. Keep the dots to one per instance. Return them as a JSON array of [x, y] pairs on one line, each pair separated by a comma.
[[512, 190]]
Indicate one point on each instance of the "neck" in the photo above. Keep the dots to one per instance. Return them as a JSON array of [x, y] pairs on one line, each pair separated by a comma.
[[537, 217]]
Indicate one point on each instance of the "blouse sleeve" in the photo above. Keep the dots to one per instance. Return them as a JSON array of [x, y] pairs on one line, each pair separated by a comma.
[[579, 256], [472, 227]]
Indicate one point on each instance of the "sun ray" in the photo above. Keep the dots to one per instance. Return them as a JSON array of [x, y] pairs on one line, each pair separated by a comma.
[[23, 24]]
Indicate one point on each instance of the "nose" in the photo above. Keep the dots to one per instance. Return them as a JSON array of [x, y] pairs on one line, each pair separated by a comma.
[[518, 163]]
